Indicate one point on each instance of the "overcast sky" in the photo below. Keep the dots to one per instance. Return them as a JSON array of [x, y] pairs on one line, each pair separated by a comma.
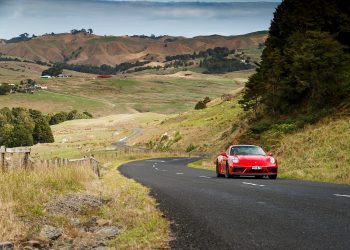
[[113, 17]]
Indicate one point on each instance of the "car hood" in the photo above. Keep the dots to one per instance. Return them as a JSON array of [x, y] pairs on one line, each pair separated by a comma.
[[254, 160]]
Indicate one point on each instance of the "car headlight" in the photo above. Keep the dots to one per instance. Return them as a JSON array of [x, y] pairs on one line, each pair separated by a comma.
[[272, 160], [235, 160]]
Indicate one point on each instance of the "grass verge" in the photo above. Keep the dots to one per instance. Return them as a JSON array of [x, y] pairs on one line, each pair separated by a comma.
[[142, 225], [24, 195], [205, 164]]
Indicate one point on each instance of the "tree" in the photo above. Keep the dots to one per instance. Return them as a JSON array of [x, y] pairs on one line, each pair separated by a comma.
[[305, 60], [90, 31], [52, 71], [24, 35], [5, 89], [207, 100], [6, 131], [42, 132], [58, 118], [72, 115], [21, 137], [318, 67], [200, 105]]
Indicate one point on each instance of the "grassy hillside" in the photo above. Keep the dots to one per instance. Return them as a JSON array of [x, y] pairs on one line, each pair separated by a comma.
[[164, 91], [203, 129], [85, 48], [318, 152]]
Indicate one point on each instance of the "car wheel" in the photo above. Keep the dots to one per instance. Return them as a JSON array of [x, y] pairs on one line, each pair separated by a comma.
[[227, 172], [217, 169], [259, 176], [273, 177]]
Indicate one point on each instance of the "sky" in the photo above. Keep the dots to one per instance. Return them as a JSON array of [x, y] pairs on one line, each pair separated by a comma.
[[112, 17]]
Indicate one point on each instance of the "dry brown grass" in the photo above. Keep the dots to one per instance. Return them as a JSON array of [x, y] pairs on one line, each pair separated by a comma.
[[10, 226], [23, 194], [142, 224]]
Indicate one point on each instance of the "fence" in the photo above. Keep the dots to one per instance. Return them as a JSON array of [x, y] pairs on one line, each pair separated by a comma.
[[19, 158], [12, 158]]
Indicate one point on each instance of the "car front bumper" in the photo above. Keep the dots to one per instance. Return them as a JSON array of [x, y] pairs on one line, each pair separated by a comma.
[[249, 170]]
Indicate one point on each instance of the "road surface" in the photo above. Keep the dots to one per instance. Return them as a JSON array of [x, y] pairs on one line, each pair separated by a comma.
[[122, 143], [245, 213]]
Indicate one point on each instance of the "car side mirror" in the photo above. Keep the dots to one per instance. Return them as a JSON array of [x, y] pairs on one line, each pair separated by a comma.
[[270, 154], [223, 154]]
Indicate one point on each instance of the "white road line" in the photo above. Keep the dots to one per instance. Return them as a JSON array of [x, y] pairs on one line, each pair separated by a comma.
[[179, 173], [123, 139], [164, 170], [154, 166], [207, 177], [156, 169], [342, 195], [253, 184]]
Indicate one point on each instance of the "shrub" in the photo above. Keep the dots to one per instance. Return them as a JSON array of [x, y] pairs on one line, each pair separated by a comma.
[[87, 114], [5, 89], [207, 100], [200, 105], [58, 118], [190, 148], [177, 137]]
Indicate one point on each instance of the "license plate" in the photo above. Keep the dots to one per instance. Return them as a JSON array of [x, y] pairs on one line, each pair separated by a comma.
[[256, 167]]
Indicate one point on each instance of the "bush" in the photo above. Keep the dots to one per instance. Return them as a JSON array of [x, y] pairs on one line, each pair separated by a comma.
[[207, 100], [177, 137], [5, 89], [87, 114], [58, 118], [190, 148], [200, 105]]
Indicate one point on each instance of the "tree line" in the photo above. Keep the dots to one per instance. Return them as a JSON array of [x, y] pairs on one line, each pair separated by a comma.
[[22, 127], [214, 61], [305, 63], [219, 52], [104, 69]]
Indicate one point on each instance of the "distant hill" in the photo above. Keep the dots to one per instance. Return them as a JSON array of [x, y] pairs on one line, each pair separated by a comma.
[[84, 48]]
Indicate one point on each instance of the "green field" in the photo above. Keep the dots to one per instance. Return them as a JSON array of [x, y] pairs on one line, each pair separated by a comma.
[[155, 91]]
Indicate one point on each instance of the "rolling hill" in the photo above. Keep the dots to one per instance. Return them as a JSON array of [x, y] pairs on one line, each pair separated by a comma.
[[84, 48]]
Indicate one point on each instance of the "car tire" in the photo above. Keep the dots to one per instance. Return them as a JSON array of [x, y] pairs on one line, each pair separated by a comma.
[[273, 177], [259, 176], [217, 170], [227, 173]]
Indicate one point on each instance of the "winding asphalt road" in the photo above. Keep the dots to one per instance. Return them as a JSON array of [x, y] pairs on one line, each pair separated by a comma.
[[245, 213]]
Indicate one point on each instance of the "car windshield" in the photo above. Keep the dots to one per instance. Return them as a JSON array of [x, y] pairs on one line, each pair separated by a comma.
[[247, 150]]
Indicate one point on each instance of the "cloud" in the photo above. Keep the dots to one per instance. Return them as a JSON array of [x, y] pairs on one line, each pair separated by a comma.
[[120, 18]]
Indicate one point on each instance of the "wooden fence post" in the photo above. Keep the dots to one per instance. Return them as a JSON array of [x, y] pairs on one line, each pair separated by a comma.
[[2, 157], [26, 159]]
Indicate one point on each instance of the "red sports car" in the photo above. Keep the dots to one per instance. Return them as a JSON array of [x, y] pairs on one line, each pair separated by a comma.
[[246, 160]]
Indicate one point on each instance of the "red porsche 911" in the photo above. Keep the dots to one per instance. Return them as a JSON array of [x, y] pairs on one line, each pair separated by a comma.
[[246, 160]]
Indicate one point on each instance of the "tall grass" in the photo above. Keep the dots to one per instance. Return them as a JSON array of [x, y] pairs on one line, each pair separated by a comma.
[[318, 152], [24, 193], [142, 225]]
